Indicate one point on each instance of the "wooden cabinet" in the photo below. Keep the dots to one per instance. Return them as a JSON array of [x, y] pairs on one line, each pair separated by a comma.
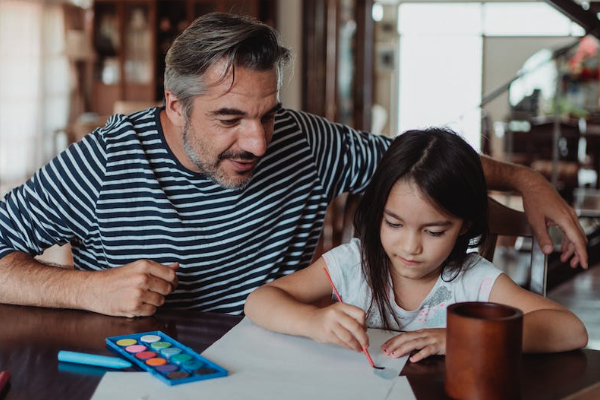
[[338, 60], [131, 38], [124, 41], [338, 74]]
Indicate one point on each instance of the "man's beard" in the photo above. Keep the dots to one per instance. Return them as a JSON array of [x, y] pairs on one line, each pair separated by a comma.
[[212, 171]]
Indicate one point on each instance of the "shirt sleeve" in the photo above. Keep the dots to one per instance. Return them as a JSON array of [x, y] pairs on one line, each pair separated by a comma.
[[57, 203], [343, 264], [478, 280], [345, 158]]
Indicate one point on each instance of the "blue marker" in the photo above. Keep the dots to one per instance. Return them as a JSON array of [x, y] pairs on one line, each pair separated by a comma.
[[93, 359]]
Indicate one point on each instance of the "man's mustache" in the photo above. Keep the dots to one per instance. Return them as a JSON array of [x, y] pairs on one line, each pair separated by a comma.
[[242, 156]]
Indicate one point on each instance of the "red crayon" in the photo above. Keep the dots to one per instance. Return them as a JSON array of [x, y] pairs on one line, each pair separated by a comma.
[[4, 378]]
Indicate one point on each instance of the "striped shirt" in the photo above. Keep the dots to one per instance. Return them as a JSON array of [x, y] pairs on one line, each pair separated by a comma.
[[120, 195]]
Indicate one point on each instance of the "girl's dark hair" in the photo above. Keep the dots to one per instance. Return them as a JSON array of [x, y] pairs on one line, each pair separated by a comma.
[[448, 172]]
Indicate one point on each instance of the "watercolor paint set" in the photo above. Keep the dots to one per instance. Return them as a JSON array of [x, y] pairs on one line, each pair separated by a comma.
[[165, 358]]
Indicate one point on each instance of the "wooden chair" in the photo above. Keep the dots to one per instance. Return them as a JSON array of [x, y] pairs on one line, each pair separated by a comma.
[[504, 221], [128, 107]]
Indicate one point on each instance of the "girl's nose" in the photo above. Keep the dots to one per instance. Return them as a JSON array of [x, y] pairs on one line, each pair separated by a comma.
[[411, 243]]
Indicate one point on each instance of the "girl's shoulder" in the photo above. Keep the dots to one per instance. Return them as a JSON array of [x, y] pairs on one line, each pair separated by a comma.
[[475, 265], [347, 253], [475, 280], [344, 260], [475, 259]]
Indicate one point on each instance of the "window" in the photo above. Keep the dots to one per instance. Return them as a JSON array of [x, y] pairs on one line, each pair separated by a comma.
[[442, 45], [441, 55], [526, 19], [34, 86]]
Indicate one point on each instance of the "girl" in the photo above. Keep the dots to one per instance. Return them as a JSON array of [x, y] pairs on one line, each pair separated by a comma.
[[424, 208]]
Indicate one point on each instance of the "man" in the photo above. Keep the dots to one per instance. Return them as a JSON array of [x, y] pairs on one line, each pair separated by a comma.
[[200, 202]]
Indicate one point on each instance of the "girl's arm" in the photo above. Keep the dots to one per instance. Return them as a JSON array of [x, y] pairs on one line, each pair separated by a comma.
[[547, 326], [286, 306]]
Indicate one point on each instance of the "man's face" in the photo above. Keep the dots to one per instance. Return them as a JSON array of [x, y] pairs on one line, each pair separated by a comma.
[[230, 127]]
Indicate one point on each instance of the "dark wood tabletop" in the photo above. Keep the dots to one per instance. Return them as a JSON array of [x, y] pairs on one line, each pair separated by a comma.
[[30, 339]]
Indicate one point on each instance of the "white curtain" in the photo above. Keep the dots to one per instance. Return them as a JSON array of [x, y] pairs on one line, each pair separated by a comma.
[[34, 87]]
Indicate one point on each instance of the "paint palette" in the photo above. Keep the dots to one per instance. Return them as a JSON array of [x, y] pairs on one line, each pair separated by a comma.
[[165, 358]]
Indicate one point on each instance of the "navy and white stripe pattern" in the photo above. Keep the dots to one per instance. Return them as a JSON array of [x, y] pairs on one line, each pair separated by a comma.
[[120, 195]]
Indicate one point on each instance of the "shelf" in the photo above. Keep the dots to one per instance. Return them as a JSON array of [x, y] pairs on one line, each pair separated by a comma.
[[131, 39]]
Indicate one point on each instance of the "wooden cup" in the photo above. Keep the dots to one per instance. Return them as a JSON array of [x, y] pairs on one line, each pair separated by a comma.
[[483, 351]]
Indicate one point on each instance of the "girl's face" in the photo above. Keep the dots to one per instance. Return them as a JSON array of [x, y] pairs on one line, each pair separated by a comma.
[[415, 235]]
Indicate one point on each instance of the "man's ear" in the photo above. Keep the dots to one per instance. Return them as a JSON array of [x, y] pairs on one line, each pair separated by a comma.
[[174, 109]]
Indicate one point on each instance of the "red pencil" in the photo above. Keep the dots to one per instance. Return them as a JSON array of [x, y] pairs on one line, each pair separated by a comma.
[[4, 378], [340, 300]]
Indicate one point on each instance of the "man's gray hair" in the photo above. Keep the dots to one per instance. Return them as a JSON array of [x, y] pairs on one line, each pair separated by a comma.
[[240, 41]]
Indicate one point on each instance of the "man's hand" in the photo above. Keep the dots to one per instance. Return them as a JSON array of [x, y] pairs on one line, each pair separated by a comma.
[[544, 208], [543, 205], [133, 290]]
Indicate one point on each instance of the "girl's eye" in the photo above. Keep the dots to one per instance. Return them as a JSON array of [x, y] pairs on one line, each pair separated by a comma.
[[392, 225], [436, 234]]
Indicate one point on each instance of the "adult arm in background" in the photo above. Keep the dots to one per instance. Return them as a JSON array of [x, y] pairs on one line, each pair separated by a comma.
[[56, 205], [544, 207], [133, 290], [542, 203]]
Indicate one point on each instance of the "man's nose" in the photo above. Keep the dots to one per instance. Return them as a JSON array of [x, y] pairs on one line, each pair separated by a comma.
[[253, 139]]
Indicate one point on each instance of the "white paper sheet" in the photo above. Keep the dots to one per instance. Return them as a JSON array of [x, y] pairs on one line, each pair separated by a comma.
[[266, 365]]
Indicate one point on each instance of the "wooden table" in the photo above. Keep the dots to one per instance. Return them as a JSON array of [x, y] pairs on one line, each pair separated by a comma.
[[30, 339]]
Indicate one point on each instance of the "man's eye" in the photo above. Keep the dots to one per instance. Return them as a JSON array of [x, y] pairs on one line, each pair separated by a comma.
[[229, 122]]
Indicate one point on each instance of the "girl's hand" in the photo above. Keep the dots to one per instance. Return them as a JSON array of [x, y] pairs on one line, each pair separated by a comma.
[[341, 324], [428, 341]]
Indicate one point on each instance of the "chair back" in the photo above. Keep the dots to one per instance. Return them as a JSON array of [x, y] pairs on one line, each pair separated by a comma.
[[505, 221]]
